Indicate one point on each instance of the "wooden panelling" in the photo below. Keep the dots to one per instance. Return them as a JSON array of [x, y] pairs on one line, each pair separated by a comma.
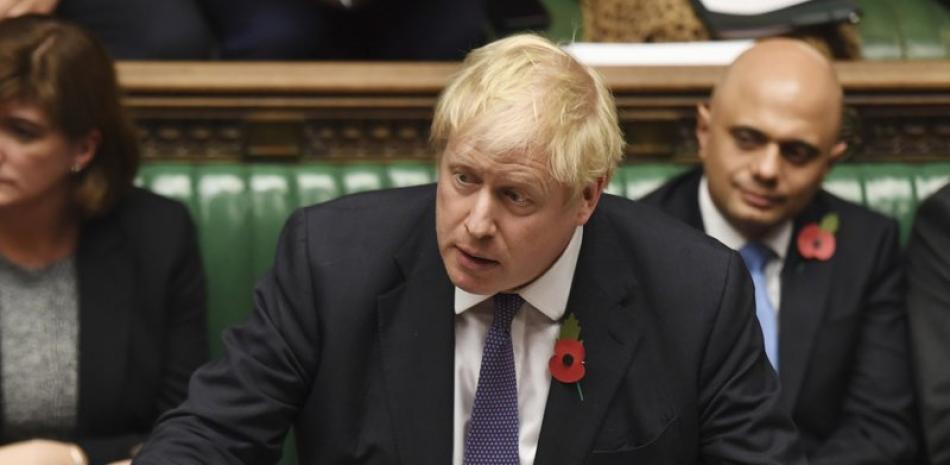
[[896, 111]]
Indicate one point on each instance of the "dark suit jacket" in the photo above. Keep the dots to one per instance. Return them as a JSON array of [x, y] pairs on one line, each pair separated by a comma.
[[843, 357], [928, 306], [352, 342], [142, 321]]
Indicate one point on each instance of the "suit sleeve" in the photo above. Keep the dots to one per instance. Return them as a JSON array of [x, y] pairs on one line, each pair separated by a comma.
[[742, 421], [186, 337], [928, 255], [876, 425], [240, 407]]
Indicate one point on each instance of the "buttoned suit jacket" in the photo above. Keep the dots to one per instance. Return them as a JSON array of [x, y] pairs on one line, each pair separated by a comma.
[[843, 356], [352, 342]]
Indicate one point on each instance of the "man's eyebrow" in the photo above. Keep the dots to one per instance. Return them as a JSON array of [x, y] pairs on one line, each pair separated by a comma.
[[742, 127], [800, 143]]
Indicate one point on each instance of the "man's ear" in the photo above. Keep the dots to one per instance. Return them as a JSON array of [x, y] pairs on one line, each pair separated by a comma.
[[702, 127], [590, 196], [85, 149], [838, 150]]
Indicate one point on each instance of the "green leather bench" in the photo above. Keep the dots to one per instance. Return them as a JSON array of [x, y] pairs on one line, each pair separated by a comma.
[[239, 208]]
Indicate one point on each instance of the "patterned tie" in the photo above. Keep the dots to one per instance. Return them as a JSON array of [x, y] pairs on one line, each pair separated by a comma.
[[756, 255], [493, 430]]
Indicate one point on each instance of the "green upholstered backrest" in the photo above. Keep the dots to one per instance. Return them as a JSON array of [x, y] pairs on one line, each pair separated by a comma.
[[239, 208]]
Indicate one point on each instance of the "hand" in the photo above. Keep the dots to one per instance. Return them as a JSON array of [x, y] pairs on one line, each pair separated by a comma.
[[37, 452], [12, 8]]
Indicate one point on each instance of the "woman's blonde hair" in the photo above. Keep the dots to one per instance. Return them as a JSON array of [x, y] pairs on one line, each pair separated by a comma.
[[70, 77], [525, 96]]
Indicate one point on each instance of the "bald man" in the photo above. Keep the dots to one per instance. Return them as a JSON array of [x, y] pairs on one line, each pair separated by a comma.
[[827, 273]]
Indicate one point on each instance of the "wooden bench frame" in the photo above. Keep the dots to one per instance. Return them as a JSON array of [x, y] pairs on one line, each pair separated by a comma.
[[196, 111]]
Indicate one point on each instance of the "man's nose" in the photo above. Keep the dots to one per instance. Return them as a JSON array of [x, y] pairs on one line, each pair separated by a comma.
[[480, 221], [767, 164]]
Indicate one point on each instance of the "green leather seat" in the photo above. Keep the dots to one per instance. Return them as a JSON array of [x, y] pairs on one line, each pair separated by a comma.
[[239, 209], [641, 179], [888, 188], [845, 182]]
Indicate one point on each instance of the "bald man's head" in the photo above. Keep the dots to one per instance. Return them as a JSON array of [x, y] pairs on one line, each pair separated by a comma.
[[784, 68], [770, 133]]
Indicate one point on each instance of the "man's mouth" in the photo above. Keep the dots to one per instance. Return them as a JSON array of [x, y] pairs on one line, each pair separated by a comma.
[[471, 259], [758, 200]]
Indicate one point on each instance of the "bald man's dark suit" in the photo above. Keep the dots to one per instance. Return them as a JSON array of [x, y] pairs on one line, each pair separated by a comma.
[[843, 355], [352, 342]]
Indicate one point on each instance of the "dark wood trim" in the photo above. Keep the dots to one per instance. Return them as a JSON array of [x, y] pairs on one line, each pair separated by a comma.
[[897, 111]]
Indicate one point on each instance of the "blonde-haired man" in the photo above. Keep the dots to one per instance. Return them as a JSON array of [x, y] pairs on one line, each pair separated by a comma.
[[512, 314]]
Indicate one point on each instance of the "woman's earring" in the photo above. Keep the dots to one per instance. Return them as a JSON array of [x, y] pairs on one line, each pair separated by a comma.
[[76, 168]]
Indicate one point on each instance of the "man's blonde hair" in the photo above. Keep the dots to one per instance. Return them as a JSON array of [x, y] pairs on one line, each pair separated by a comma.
[[525, 96]]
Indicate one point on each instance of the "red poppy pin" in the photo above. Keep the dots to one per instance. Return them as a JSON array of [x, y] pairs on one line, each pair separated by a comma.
[[817, 240], [567, 363]]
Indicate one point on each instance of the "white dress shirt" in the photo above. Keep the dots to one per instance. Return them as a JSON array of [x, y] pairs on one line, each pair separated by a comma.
[[534, 330], [719, 228]]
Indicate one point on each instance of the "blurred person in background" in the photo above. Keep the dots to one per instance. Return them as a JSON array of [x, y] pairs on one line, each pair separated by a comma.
[[347, 29], [102, 300], [828, 274], [928, 309], [132, 29]]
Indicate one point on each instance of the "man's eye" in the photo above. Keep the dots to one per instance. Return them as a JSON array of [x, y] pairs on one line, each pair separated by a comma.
[[463, 178], [798, 153], [517, 198], [747, 140]]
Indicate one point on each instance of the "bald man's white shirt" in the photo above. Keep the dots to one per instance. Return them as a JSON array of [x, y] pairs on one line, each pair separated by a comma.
[[717, 226]]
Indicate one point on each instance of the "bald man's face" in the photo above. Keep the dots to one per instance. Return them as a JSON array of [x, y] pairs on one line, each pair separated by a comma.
[[766, 148]]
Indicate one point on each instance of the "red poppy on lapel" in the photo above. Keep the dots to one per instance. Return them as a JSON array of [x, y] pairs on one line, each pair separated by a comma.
[[567, 363], [817, 240]]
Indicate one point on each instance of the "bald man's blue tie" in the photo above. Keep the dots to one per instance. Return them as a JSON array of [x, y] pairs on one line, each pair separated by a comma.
[[493, 429], [756, 256]]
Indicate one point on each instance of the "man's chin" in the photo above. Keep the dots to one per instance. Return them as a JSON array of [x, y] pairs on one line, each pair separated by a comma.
[[756, 225], [480, 289], [471, 284]]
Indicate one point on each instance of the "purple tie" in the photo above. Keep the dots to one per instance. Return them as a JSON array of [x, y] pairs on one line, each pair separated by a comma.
[[493, 429]]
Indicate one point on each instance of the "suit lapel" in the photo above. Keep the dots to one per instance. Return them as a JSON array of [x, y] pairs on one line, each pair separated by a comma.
[[416, 331], [604, 302], [805, 284], [680, 198], [805, 287], [106, 287]]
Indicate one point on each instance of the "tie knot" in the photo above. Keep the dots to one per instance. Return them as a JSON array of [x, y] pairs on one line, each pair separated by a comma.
[[506, 305], [756, 255]]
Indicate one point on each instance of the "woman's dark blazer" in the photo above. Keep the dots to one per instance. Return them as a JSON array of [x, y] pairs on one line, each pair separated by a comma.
[[142, 321]]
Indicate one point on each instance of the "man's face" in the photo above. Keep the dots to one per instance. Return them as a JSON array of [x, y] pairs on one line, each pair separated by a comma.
[[503, 223], [765, 156]]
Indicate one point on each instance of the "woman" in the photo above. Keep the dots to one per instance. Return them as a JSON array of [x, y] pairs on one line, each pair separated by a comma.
[[102, 302]]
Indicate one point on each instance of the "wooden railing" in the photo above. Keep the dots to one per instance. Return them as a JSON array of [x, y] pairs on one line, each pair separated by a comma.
[[896, 111]]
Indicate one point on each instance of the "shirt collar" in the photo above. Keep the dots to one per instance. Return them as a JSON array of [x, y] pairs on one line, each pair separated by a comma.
[[548, 293], [720, 229]]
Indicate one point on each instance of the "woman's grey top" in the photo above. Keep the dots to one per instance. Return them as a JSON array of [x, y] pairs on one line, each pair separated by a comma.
[[39, 350]]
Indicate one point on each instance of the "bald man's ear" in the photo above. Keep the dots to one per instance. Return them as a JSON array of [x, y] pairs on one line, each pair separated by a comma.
[[702, 127], [838, 150]]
